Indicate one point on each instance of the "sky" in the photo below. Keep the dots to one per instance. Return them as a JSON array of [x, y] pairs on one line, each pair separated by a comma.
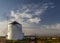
[[40, 15]]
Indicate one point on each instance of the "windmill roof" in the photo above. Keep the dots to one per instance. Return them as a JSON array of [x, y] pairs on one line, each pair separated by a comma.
[[15, 22]]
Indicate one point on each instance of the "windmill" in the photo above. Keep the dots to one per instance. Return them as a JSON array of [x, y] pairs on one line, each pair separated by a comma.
[[14, 30]]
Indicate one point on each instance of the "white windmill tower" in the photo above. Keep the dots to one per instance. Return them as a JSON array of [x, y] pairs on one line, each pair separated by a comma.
[[15, 31]]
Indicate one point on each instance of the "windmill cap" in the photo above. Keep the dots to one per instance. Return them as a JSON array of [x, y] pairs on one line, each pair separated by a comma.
[[15, 22]]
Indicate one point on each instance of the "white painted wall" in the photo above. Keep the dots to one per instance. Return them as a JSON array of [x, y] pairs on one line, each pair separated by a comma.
[[15, 32]]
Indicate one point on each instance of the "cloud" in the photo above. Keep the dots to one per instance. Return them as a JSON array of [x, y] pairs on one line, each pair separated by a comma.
[[28, 16], [3, 28], [34, 20], [52, 5], [55, 26], [44, 30]]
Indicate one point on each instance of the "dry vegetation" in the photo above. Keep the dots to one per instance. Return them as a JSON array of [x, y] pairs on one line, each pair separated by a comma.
[[37, 40]]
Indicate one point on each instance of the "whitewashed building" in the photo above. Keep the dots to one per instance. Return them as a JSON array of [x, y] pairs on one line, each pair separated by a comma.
[[15, 31]]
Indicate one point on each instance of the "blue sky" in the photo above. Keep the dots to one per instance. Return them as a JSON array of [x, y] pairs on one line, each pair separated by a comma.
[[31, 13], [50, 16]]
